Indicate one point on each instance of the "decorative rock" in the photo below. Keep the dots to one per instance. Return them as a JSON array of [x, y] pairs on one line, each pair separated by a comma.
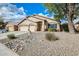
[[16, 45]]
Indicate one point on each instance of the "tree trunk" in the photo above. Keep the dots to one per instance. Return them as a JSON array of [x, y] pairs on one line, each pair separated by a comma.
[[61, 29], [70, 26], [70, 18]]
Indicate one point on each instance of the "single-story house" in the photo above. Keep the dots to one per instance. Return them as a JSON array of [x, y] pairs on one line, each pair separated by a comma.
[[37, 23], [11, 26], [76, 26]]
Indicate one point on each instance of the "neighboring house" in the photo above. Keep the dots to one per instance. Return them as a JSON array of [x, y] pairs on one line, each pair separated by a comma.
[[37, 23], [76, 26], [76, 23], [11, 26]]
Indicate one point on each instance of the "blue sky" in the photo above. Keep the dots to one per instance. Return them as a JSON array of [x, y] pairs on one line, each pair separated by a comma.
[[18, 11], [32, 8]]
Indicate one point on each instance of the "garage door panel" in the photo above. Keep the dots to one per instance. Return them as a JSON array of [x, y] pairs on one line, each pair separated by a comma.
[[24, 28], [33, 28]]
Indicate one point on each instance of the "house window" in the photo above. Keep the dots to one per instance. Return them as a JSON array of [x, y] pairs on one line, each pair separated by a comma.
[[52, 25]]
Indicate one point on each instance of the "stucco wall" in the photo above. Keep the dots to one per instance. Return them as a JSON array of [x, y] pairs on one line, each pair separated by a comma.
[[49, 21], [27, 22], [34, 19], [25, 25], [11, 28], [33, 22]]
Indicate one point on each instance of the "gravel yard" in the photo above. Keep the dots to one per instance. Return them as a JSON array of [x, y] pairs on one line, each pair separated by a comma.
[[37, 45]]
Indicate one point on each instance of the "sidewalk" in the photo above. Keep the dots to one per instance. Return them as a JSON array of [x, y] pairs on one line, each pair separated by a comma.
[[4, 51]]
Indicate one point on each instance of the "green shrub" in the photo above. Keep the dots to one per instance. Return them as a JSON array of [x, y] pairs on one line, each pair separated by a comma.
[[51, 37], [65, 27], [51, 29], [11, 36]]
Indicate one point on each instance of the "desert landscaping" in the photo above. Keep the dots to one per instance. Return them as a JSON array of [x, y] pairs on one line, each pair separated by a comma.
[[36, 44], [39, 29]]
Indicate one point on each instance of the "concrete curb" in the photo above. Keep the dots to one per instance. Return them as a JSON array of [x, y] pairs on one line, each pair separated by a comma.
[[4, 51]]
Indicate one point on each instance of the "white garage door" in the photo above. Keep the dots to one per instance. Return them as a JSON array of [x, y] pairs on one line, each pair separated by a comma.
[[32, 28], [24, 28]]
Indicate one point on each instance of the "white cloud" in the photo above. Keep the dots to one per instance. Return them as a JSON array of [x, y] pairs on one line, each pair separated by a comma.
[[76, 20], [46, 15], [51, 17], [43, 14], [21, 9], [11, 12], [46, 10]]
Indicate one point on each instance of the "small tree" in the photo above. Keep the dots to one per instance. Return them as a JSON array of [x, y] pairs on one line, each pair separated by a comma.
[[67, 10], [2, 24]]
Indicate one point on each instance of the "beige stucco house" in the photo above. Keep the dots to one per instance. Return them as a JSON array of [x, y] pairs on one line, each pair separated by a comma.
[[37, 23], [10, 26]]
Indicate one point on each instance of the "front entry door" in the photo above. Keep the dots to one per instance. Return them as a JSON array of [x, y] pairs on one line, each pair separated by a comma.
[[39, 26]]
